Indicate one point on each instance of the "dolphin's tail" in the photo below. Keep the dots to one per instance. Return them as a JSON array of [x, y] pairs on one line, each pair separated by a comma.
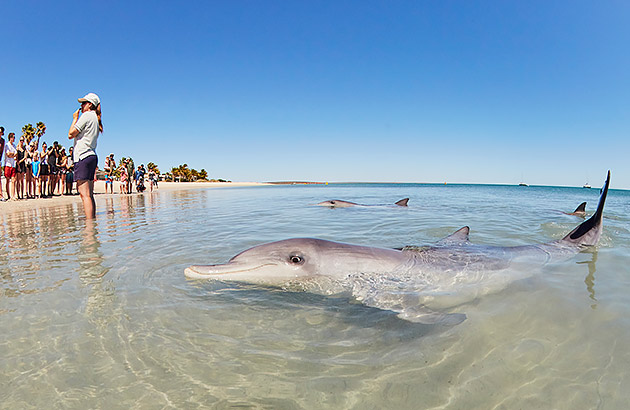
[[589, 231], [402, 202]]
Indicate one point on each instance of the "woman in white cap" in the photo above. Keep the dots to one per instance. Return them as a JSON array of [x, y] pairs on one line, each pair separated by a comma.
[[85, 130]]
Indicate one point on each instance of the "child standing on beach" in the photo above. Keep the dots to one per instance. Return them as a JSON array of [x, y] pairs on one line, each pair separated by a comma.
[[123, 179], [37, 189]]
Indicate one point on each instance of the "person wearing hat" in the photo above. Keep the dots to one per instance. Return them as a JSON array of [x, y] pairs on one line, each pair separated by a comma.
[[84, 131]]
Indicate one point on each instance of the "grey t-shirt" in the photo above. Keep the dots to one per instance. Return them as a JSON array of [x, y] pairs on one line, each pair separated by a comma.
[[85, 142]]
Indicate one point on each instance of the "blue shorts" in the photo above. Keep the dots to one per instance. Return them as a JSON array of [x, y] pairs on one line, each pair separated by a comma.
[[84, 169]]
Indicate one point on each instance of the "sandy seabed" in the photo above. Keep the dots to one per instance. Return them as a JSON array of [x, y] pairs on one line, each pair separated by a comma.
[[99, 189]]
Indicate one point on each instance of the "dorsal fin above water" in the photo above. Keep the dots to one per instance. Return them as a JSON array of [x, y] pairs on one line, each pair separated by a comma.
[[458, 237], [581, 208], [402, 202], [588, 232]]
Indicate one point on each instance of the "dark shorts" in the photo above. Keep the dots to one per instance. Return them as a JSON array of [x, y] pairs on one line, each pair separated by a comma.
[[69, 177], [84, 169], [44, 170]]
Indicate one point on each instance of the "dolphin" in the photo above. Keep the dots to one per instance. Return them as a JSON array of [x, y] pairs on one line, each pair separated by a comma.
[[579, 211], [338, 203], [416, 282]]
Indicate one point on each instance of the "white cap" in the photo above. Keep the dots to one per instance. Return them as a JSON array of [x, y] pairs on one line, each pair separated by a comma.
[[92, 98]]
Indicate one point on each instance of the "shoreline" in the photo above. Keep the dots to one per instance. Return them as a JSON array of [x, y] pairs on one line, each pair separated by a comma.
[[99, 192]]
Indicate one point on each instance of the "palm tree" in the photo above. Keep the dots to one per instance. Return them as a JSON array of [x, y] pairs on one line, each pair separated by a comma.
[[41, 130], [203, 174], [194, 174], [175, 173], [153, 167], [184, 172], [28, 132]]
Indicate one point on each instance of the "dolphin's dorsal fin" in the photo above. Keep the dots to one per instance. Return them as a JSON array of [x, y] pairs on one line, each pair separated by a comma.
[[402, 202], [589, 231], [458, 237], [581, 208]]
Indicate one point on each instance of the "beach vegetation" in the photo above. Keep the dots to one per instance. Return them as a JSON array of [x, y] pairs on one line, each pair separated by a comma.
[[28, 132], [41, 130], [183, 173], [153, 167]]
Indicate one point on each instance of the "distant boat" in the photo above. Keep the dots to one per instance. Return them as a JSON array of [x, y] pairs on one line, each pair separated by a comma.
[[523, 184], [586, 185]]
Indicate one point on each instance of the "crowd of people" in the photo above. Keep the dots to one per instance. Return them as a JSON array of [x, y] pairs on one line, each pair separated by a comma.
[[33, 173], [128, 176]]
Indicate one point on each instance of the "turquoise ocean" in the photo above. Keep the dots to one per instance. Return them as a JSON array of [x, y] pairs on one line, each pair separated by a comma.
[[102, 316]]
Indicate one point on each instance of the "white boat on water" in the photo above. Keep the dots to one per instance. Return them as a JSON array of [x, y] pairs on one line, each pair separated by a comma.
[[586, 185]]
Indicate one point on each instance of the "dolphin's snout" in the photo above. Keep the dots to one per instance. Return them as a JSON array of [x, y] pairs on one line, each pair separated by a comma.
[[231, 270], [200, 271]]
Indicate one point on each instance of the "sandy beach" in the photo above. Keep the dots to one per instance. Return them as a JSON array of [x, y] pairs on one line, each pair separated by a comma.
[[99, 190]]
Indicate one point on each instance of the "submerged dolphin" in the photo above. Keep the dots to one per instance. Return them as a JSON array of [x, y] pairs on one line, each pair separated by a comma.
[[412, 281], [338, 203], [579, 211]]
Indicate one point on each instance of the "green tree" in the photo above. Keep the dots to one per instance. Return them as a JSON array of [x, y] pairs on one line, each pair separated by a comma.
[[41, 129], [28, 132], [153, 167]]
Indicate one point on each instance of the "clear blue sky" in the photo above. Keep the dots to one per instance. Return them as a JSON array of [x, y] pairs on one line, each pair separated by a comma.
[[409, 91]]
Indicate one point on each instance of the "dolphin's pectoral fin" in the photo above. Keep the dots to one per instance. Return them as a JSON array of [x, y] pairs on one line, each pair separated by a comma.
[[407, 306], [458, 237], [430, 317]]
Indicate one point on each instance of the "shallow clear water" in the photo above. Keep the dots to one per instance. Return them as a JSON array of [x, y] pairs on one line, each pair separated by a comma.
[[102, 316]]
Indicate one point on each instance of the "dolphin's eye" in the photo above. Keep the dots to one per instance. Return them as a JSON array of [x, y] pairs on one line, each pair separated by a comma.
[[296, 259]]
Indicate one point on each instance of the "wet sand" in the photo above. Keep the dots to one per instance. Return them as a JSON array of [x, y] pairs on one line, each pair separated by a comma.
[[99, 190]]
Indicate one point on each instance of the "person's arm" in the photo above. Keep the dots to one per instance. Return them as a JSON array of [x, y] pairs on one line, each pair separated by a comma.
[[72, 134], [10, 154]]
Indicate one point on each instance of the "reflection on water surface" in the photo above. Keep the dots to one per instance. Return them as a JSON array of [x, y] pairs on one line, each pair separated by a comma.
[[101, 316]]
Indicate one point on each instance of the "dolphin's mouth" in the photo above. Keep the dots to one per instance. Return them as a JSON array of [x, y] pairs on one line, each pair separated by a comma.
[[216, 271]]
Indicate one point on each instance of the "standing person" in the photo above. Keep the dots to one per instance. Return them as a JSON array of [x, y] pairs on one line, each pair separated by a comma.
[[43, 170], [151, 178], [62, 162], [35, 164], [53, 171], [123, 176], [29, 171], [130, 174], [1, 154], [20, 169], [84, 131], [10, 155], [69, 172], [110, 167]]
